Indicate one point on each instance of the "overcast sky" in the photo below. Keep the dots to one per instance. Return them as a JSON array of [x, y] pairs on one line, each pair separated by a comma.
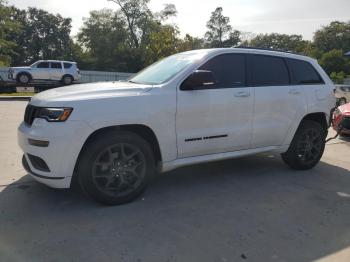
[[257, 16]]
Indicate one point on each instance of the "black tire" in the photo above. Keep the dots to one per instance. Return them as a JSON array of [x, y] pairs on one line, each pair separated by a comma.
[[23, 78], [307, 146], [67, 80], [342, 101], [100, 168]]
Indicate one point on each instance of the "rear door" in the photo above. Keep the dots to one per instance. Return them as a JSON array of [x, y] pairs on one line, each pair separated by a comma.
[[278, 103], [216, 118], [305, 76], [56, 71]]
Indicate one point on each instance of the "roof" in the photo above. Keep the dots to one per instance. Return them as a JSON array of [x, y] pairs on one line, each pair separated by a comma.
[[250, 50], [57, 61]]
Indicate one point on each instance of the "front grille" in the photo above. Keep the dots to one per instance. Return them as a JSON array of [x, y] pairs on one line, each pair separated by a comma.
[[30, 114]]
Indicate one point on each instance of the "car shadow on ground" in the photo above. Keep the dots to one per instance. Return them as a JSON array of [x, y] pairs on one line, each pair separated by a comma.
[[253, 209]]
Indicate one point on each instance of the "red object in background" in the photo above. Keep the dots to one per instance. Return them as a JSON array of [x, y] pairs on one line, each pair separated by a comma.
[[339, 114]]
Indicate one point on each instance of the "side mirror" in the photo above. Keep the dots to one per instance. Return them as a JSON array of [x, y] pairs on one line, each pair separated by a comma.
[[199, 79]]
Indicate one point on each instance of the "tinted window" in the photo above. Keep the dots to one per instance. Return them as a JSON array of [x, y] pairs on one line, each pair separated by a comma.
[[56, 65], [303, 72], [228, 70], [43, 65], [67, 65], [269, 71]]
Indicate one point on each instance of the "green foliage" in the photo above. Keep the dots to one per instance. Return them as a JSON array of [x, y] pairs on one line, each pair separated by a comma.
[[334, 36], [43, 36], [8, 27], [338, 78], [334, 61], [132, 37], [293, 43]]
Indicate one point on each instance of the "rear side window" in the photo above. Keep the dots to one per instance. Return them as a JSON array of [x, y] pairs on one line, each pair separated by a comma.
[[228, 69], [43, 65], [56, 65], [67, 65], [269, 71], [303, 73]]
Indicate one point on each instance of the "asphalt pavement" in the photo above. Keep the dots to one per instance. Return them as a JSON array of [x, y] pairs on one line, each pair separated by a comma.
[[248, 209]]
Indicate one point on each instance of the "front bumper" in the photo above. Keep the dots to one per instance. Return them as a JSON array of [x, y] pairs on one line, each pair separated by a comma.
[[65, 142]]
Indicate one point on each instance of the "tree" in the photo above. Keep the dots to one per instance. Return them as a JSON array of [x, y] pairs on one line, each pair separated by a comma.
[[219, 29], [293, 43], [190, 43], [334, 61], [43, 36], [136, 13], [8, 27], [103, 35], [336, 35]]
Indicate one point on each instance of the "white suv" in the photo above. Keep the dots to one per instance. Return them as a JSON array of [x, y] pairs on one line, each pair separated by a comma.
[[192, 107], [64, 71]]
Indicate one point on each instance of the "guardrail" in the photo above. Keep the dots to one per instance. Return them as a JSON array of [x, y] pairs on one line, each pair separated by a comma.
[[86, 76]]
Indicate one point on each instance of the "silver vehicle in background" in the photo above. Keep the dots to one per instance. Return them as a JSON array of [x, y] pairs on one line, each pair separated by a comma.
[[65, 71], [342, 93]]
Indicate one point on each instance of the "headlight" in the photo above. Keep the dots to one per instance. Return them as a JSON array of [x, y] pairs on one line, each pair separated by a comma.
[[54, 114]]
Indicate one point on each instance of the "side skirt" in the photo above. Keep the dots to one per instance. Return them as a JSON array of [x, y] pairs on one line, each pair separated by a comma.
[[167, 166]]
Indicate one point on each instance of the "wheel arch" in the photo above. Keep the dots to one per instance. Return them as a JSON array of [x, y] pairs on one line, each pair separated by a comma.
[[142, 130], [70, 75], [319, 117], [24, 73]]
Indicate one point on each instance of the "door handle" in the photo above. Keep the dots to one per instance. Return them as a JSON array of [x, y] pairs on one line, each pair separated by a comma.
[[242, 94], [294, 92]]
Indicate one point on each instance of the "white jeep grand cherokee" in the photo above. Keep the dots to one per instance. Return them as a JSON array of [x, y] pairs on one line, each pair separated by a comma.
[[54, 70], [189, 108]]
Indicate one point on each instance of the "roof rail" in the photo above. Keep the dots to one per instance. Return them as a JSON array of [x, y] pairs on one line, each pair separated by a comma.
[[269, 49]]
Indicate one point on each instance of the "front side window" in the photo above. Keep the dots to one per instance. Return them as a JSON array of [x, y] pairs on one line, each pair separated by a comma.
[[43, 65], [269, 71], [56, 65], [228, 70], [303, 73]]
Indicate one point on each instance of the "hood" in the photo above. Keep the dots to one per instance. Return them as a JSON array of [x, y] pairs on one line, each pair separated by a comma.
[[20, 68], [97, 90]]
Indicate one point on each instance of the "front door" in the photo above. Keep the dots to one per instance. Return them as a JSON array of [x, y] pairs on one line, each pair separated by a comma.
[[41, 71], [216, 118]]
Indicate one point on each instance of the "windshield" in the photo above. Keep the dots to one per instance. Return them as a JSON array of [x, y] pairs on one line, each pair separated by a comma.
[[163, 70], [34, 64]]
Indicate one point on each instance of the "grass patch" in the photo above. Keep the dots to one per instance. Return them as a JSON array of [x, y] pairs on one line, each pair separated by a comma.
[[18, 94]]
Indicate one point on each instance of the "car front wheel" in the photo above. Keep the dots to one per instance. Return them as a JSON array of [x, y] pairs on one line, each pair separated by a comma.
[[23, 78], [116, 167], [307, 146]]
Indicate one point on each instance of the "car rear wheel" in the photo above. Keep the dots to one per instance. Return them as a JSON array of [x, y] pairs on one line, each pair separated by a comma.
[[115, 168], [23, 78], [307, 146], [67, 80]]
